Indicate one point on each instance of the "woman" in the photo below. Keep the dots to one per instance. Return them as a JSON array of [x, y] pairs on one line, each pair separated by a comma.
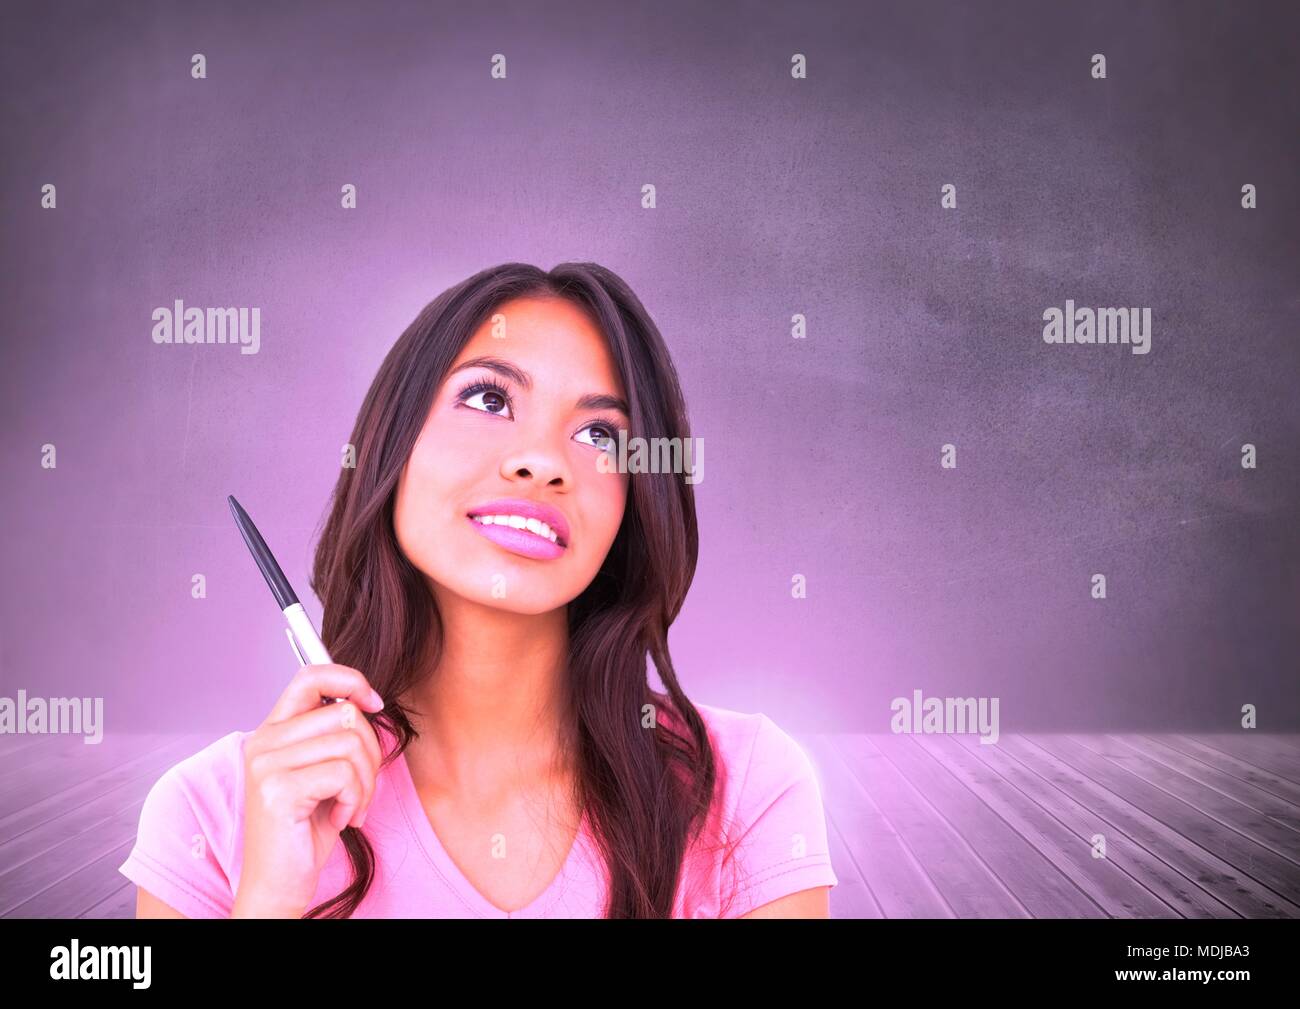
[[492, 584]]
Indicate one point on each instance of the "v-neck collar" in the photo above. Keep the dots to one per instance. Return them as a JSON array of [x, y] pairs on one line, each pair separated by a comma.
[[408, 799]]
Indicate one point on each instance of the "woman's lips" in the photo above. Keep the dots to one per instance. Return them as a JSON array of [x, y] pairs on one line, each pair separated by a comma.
[[519, 541], [527, 509]]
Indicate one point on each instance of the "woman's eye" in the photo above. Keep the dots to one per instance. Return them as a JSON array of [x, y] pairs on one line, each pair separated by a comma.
[[604, 438], [494, 402]]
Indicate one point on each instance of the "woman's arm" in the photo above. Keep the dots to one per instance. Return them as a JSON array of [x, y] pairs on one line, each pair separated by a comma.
[[812, 903], [149, 906]]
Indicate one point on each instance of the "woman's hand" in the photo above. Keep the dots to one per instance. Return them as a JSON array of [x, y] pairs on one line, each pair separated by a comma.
[[309, 771]]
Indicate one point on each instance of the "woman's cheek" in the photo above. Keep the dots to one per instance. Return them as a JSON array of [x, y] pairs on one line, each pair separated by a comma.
[[425, 503], [413, 535], [458, 452]]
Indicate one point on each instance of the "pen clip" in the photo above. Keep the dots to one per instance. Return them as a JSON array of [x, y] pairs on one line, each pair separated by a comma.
[[293, 643]]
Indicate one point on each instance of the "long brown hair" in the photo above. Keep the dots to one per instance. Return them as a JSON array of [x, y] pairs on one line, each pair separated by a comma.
[[645, 793]]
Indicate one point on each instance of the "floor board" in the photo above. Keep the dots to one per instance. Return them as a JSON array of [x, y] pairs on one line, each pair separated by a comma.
[[1120, 825]]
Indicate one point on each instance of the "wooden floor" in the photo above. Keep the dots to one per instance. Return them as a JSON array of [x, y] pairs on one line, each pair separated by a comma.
[[1195, 826]]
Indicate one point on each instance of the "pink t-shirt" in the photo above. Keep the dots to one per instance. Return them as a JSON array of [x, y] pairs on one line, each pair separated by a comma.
[[189, 845]]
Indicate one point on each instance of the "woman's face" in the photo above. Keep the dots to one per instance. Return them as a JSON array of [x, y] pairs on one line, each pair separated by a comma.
[[522, 454]]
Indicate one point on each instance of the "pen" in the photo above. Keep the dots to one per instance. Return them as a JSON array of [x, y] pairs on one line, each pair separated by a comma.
[[302, 635]]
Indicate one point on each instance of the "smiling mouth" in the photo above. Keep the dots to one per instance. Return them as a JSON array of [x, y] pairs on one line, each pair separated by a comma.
[[539, 529]]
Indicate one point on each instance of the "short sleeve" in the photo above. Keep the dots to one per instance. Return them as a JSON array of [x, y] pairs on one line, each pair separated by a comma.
[[777, 839], [186, 842]]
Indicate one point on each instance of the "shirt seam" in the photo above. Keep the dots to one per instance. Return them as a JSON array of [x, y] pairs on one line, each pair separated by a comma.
[[154, 865], [776, 869], [748, 890]]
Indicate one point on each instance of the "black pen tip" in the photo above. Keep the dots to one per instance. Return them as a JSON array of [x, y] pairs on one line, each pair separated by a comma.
[[283, 592]]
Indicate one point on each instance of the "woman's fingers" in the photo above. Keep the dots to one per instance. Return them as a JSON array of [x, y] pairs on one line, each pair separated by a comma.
[[313, 683], [310, 769], [330, 779], [322, 719], [332, 751]]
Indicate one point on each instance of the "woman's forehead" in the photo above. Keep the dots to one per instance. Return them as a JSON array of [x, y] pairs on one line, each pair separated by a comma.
[[538, 318], [548, 343]]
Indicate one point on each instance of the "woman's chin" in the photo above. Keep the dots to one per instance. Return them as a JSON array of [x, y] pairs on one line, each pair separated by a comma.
[[505, 594], [523, 607]]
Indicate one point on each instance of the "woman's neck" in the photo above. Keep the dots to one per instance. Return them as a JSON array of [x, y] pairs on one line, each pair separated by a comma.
[[493, 713]]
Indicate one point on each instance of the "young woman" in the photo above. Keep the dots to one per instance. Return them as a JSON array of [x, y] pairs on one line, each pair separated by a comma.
[[491, 592]]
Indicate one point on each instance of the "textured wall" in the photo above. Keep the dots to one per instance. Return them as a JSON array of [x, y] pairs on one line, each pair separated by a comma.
[[775, 196]]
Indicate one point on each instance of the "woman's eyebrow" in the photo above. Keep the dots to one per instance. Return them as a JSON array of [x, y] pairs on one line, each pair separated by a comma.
[[591, 401]]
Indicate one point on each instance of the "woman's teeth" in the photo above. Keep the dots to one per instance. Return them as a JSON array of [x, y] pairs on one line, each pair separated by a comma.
[[518, 522]]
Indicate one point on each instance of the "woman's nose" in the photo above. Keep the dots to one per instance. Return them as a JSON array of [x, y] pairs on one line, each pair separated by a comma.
[[544, 465]]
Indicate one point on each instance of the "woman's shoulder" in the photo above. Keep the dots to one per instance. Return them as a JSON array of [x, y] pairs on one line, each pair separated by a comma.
[[754, 748], [187, 843], [217, 764], [207, 780], [770, 815]]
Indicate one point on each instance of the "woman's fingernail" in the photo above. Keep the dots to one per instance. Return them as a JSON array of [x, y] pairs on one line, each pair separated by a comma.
[[376, 699]]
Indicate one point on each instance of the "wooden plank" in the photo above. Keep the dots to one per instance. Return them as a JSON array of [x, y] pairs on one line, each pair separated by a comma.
[[1036, 773], [1273, 752], [1238, 768], [118, 905], [1107, 885], [67, 764], [1269, 848], [1036, 883], [51, 806], [960, 877], [956, 882], [83, 888], [1258, 799], [12, 742], [79, 817], [63, 757], [24, 883], [852, 898], [1180, 834], [896, 883]]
